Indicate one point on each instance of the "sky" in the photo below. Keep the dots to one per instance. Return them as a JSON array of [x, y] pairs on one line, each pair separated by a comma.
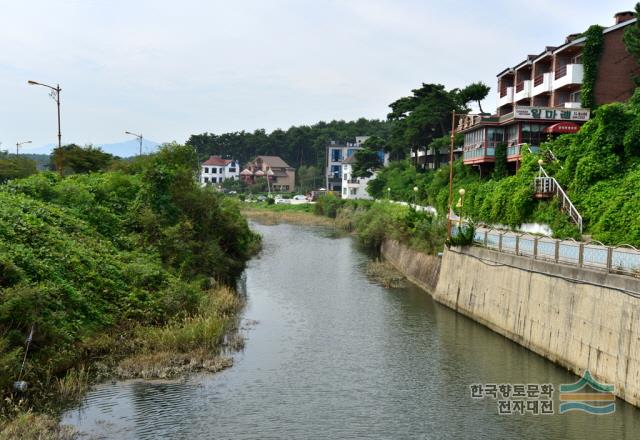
[[169, 69]]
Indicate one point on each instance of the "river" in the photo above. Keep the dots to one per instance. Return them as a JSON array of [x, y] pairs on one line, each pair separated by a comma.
[[332, 355]]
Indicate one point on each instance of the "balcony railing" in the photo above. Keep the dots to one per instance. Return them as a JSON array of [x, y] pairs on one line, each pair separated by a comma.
[[486, 149], [503, 92], [538, 80], [561, 72], [520, 87]]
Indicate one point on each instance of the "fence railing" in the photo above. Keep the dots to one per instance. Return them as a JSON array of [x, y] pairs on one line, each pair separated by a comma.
[[624, 259], [549, 185]]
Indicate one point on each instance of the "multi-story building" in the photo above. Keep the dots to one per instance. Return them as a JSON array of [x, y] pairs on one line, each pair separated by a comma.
[[280, 175], [216, 170], [336, 154], [356, 187], [541, 95]]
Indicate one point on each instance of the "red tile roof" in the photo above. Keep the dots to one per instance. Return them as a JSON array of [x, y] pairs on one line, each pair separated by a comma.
[[216, 160]]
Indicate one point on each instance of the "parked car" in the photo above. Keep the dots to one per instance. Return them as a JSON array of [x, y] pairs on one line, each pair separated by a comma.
[[299, 197]]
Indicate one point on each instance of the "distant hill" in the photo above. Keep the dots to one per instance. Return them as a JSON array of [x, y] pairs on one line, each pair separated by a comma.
[[126, 148]]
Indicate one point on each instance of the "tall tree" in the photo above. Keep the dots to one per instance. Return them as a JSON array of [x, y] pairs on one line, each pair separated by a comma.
[[368, 159], [475, 92]]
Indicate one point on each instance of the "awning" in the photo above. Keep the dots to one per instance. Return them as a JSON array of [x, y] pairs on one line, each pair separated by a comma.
[[562, 127]]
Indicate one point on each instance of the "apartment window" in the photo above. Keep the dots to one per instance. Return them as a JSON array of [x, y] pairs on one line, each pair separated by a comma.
[[214, 179], [473, 138], [335, 171], [336, 155], [206, 170], [232, 170], [206, 180], [214, 170], [345, 176], [353, 191], [344, 191]]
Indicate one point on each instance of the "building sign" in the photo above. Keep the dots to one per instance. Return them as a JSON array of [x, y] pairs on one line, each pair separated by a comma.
[[563, 114]]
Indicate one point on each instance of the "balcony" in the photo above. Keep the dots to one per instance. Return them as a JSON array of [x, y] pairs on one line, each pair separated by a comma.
[[541, 84], [484, 153], [523, 90], [505, 97], [571, 74]]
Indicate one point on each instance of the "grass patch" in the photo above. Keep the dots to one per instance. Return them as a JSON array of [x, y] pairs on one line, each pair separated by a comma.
[[294, 215], [31, 426], [383, 272]]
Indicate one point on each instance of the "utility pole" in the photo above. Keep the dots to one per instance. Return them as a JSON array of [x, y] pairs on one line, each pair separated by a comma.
[[20, 144], [55, 94], [139, 137]]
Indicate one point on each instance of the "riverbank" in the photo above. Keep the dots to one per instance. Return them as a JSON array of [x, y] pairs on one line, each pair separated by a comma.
[[114, 274]]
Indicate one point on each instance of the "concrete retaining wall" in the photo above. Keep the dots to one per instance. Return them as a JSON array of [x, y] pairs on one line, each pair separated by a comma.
[[581, 319], [419, 268]]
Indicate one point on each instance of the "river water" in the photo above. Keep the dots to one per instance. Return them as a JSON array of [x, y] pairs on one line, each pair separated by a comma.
[[333, 356]]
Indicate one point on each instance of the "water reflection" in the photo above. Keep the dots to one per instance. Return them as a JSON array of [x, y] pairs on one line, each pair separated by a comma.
[[335, 356]]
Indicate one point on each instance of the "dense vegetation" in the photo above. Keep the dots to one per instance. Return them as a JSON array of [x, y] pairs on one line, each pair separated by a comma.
[[91, 260], [599, 167]]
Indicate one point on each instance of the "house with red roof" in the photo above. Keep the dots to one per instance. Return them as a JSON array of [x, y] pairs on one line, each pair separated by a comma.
[[216, 170]]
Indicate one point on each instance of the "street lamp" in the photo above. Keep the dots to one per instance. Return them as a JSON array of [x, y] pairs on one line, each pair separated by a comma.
[[139, 137], [20, 144], [389, 193], [55, 94], [460, 205], [415, 195]]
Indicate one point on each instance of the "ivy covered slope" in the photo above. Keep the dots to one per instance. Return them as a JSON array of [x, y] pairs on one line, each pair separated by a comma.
[[599, 167], [106, 252]]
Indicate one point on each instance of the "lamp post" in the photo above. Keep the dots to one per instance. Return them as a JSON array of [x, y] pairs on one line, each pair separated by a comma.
[[389, 193], [415, 196], [460, 205], [20, 144], [139, 137], [451, 145], [55, 94]]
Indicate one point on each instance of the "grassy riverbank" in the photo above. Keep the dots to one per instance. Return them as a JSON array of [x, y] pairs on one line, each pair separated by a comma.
[[123, 273], [371, 221]]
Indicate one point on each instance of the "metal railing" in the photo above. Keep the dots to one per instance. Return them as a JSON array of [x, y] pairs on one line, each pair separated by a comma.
[[623, 259], [562, 71], [549, 185]]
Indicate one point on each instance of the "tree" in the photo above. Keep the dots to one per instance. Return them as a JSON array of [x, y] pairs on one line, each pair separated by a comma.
[[475, 92], [501, 169], [368, 159], [80, 159], [423, 116], [15, 167], [632, 37]]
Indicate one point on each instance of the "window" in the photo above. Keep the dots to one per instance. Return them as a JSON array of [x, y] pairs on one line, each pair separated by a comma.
[[495, 135], [232, 170], [345, 176], [206, 170], [285, 187], [353, 191], [351, 152], [335, 171], [206, 180], [576, 96], [214, 170], [344, 191], [336, 155], [512, 134], [532, 134]]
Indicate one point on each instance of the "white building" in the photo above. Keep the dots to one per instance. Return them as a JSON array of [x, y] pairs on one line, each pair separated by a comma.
[[216, 170], [336, 155], [356, 187]]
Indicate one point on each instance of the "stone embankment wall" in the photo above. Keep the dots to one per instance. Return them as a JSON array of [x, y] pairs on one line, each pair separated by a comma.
[[421, 269], [579, 318]]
